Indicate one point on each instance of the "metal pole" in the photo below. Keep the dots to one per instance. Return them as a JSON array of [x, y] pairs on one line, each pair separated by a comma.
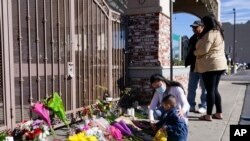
[[171, 40], [72, 54], [234, 50], [110, 57]]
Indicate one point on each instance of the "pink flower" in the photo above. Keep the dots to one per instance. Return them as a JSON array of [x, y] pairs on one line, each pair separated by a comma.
[[116, 133]]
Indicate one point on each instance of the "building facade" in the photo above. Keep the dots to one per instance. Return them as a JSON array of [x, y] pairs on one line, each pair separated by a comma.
[[73, 47], [77, 48]]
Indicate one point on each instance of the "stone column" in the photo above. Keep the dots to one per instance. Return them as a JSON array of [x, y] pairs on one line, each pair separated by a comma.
[[148, 42], [149, 39]]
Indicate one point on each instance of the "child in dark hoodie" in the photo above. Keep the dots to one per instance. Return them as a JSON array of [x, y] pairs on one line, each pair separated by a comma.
[[175, 125]]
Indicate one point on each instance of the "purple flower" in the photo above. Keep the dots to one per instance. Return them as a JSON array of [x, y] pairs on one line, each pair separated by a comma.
[[37, 123]]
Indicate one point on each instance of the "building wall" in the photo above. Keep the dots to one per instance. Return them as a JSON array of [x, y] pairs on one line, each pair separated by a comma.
[[149, 40], [149, 52], [147, 6], [164, 40], [143, 39], [199, 8], [242, 41]]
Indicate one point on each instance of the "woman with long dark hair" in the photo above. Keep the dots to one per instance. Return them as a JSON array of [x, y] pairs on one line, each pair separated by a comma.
[[211, 62], [163, 87]]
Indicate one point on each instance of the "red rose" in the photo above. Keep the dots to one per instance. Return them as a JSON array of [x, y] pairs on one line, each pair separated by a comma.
[[37, 131]]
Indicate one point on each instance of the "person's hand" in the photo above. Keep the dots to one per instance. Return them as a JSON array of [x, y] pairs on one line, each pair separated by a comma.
[[181, 113], [153, 126], [162, 129]]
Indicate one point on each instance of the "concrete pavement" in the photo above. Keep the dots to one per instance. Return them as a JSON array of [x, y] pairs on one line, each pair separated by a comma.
[[245, 114], [218, 130], [232, 92]]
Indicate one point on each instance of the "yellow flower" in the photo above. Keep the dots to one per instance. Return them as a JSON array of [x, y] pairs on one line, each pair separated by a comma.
[[73, 138], [91, 138], [81, 137]]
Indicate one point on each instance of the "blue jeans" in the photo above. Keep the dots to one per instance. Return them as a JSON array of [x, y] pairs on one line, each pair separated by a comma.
[[193, 82]]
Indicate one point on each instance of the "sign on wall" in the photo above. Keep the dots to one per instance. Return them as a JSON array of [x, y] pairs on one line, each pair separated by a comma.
[[176, 46]]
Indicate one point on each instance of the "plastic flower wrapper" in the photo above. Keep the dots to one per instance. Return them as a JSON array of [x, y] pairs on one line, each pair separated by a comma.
[[26, 125], [43, 113], [161, 135], [55, 104], [37, 123], [116, 133], [95, 131], [45, 133]]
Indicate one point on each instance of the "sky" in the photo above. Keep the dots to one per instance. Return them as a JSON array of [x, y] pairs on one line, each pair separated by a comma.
[[182, 21]]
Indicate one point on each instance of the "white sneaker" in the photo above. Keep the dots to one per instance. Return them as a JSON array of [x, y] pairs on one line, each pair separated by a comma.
[[202, 110]]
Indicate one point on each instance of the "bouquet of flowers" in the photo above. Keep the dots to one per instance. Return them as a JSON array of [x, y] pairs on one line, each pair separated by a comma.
[[31, 130], [95, 131], [55, 104], [87, 112], [81, 136], [90, 128], [101, 109], [4, 134], [43, 113]]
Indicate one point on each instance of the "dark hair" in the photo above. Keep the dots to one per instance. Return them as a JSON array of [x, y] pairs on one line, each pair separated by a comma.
[[169, 99], [169, 83], [211, 23]]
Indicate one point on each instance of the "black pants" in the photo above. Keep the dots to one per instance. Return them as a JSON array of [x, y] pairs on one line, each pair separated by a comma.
[[211, 81]]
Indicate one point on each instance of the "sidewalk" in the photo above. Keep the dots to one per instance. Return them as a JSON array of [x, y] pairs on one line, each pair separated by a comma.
[[218, 130]]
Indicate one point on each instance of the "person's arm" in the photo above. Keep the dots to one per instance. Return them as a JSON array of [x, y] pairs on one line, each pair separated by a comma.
[[153, 105], [171, 122], [170, 128], [181, 98], [160, 123], [205, 44]]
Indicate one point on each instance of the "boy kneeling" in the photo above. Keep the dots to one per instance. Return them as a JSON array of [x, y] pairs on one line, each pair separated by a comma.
[[175, 125]]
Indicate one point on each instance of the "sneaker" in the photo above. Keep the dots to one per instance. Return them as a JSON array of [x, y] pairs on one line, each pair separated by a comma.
[[202, 110], [192, 109]]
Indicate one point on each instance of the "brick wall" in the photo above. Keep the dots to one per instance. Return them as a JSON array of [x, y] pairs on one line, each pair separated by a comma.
[[183, 79], [149, 40], [143, 39], [149, 47], [164, 40], [144, 91]]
